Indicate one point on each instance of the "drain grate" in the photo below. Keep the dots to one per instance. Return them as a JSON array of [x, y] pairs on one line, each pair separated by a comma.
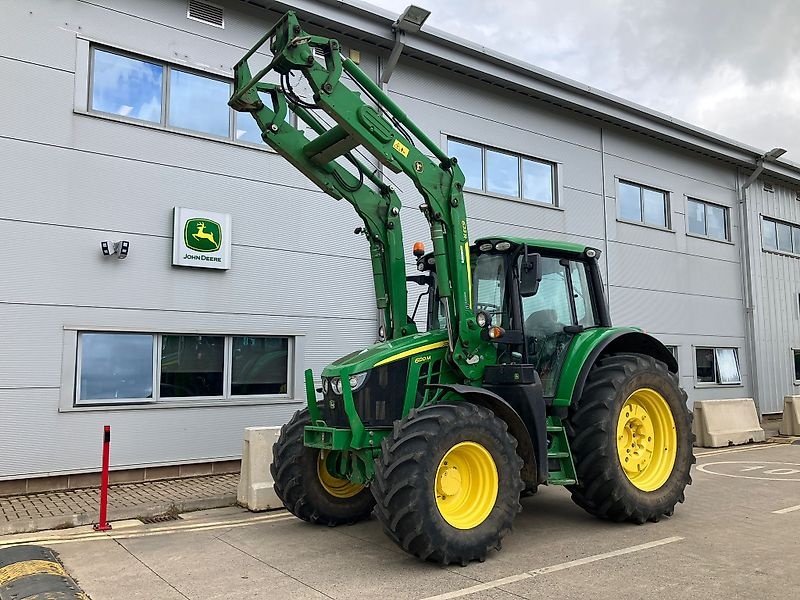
[[160, 519]]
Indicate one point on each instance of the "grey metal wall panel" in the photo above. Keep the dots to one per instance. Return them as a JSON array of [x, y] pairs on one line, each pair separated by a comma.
[[648, 152], [414, 79], [776, 283], [654, 269], [46, 442], [266, 281], [137, 197], [676, 313]]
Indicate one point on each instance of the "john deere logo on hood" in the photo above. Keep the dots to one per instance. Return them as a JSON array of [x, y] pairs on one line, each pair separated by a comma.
[[202, 235]]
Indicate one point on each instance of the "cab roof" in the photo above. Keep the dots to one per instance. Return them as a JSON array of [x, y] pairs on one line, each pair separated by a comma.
[[535, 243]]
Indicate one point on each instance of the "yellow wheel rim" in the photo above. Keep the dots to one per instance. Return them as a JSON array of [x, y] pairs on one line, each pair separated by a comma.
[[466, 485], [646, 439], [339, 488]]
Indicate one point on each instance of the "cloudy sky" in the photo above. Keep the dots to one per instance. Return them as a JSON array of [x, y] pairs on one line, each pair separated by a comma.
[[730, 66]]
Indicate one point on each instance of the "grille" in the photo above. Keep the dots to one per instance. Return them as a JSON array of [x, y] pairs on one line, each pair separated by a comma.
[[378, 403], [206, 12]]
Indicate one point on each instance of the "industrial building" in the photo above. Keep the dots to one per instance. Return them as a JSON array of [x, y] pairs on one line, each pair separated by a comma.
[[164, 271]]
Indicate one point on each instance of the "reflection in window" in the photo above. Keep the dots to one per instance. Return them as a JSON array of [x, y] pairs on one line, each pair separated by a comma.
[[796, 354], [717, 365], [640, 203], [769, 238], [537, 181], [199, 103], [784, 237], [115, 367], [502, 173], [259, 365], [707, 219], [630, 202], [470, 161], [126, 86], [191, 365]]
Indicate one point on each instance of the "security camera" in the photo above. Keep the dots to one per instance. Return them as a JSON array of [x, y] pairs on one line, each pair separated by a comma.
[[119, 248]]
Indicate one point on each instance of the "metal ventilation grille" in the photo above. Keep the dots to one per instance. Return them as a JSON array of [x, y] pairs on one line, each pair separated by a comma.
[[205, 12]]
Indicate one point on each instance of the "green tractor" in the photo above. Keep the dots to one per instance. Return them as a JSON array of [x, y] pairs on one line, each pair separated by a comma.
[[519, 378]]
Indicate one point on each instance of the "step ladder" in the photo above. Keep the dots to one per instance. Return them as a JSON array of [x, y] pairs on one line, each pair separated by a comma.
[[558, 449]]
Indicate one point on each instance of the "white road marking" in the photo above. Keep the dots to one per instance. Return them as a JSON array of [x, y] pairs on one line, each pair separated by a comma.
[[783, 511], [706, 469], [66, 537], [736, 449], [551, 569]]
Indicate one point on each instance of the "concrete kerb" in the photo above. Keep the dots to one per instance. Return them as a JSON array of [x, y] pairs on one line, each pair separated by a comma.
[[145, 511]]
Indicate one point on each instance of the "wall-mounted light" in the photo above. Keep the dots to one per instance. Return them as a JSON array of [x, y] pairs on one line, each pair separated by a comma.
[[119, 248], [410, 21]]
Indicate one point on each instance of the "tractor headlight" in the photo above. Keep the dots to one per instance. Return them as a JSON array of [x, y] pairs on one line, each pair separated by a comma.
[[326, 385], [336, 385], [357, 380]]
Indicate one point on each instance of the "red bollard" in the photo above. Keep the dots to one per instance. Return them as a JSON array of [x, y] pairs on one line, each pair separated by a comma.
[[104, 525]]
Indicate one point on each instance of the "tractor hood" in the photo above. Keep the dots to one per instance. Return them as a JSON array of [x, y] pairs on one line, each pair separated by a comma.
[[386, 352]]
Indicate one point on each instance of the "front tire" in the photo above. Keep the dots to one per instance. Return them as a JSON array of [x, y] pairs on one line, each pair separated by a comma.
[[448, 482], [631, 439], [305, 485]]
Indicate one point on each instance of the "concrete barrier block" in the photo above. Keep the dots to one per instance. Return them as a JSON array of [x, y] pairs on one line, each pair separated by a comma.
[[791, 416], [720, 423], [255, 490]]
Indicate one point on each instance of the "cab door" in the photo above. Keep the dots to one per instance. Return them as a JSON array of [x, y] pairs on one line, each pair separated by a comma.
[[562, 307]]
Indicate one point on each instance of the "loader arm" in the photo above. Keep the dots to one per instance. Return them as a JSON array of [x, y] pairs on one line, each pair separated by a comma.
[[388, 135]]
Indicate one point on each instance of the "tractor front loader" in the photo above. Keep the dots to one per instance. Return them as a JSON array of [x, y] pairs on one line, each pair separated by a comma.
[[519, 378]]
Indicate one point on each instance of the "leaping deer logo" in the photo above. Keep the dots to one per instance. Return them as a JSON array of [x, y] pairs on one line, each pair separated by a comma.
[[202, 234]]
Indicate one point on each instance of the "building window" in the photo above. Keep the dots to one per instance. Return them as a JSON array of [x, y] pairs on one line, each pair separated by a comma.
[[643, 204], [708, 220], [155, 92], [717, 366], [115, 368], [780, 237], [505, 173], [136, 368], [796, 355], [674, 351]]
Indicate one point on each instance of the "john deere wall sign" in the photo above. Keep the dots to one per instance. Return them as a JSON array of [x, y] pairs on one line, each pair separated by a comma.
[[201, 239]]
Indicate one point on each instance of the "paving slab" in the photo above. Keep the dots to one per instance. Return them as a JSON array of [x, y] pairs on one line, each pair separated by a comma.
[[72, 508]]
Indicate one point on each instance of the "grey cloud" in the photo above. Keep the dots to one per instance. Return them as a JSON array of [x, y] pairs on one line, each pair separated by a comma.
[[731, 66]]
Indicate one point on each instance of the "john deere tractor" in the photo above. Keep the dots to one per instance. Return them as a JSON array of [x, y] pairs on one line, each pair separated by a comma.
[[519, 378]]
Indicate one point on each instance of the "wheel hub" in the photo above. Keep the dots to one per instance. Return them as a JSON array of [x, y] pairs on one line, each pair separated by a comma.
[[646, 439], [338, 488], [466, 485]]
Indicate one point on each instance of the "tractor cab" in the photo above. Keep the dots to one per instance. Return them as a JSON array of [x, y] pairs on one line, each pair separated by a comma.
[[533, 296]]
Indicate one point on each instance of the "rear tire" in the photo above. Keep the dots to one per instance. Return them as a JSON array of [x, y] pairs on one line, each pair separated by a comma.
[[632, 465], [304, 485], [448, 482]]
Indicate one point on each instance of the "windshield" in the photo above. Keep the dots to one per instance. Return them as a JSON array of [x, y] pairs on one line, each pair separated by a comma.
[[489, 286]]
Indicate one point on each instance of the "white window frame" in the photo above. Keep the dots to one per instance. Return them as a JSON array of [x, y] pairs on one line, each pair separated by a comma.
[[71, 365], [716, 382], [555, 166]]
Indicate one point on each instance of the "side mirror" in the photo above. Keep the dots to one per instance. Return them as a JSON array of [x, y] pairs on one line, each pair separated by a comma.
[[530, 274]]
